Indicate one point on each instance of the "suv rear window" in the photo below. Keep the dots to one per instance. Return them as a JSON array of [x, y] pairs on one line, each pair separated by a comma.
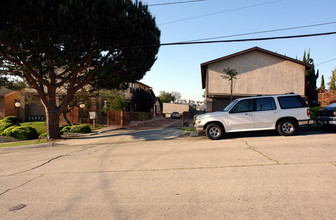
[[291, 102]]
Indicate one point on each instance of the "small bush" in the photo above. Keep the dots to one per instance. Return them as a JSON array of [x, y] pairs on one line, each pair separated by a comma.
[[42, 136], [25, 133], [40, 126], [314, 112], [80, 129], [10, 119], [194, 119], [65, 129], [4, 125]]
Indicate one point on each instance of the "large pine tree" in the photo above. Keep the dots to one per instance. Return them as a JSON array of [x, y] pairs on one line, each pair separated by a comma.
[[66, 44]]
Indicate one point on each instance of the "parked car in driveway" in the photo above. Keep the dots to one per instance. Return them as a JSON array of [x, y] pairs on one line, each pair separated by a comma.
[[283, 113], [327, 115], [175, 115]]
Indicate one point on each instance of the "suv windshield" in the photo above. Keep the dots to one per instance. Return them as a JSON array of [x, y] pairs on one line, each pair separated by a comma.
[[227, 108]]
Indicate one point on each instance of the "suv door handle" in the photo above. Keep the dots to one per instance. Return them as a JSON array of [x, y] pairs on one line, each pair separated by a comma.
[[248, 114]]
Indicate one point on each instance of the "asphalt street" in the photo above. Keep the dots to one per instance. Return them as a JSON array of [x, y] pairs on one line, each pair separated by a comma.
[[165, 174]]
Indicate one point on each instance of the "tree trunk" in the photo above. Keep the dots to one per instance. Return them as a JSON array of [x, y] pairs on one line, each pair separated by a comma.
[[53, 130]]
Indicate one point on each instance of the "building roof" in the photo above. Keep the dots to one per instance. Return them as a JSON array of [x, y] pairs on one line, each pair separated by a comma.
[[204, 66]]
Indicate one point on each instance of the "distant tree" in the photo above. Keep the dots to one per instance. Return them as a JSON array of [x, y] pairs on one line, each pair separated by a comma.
[[176, 95], [114, 99], [230, 75], [143, 100], [70, 43], [322, 87], [166, 97], [12, 84], [311, 78], [332, 83]]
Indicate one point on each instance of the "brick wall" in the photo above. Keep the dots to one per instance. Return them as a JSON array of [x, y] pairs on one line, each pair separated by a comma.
[[327, 98]]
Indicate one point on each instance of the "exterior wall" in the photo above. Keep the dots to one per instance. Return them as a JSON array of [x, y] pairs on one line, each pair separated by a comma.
[[169, 108], [157, 107], [132, 87], [9, 101], [2, 107], [220, 103], [258, 73]]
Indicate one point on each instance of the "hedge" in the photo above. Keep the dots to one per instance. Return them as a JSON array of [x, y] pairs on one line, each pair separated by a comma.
[[20, 132], [4, 125], [77, 129], [10, 119]]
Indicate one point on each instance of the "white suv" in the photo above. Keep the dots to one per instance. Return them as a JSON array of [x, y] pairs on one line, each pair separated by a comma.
[[283, 113]]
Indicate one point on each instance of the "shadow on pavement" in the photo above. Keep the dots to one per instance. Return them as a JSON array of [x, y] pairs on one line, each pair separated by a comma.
[[302, 131], [126, 134]]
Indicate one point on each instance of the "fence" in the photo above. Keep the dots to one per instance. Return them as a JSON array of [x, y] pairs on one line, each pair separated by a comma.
[[124, 119], [327, 98], [132, 120]]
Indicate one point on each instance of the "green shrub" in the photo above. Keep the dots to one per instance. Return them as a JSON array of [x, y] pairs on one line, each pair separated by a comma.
[[25, 133], [80, 129], [4, 125], [194, 119], [40, 126], [10, 119], [42, 136], [314, 112], [65, 129]]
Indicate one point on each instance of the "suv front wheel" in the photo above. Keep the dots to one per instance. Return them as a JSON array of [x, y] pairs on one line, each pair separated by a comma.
[[286, 127], [214, 131]]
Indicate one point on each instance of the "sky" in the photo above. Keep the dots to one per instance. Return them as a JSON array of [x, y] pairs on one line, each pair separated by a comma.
[[177, 68]]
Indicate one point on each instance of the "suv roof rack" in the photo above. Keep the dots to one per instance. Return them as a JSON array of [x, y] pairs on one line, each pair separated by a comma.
[[290, 93]]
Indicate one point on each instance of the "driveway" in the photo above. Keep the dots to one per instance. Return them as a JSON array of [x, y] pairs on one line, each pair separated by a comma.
[[244, 177]]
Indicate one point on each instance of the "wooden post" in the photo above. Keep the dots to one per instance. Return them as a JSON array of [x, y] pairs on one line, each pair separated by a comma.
[[108, 118], [182, 119], [122, 118]]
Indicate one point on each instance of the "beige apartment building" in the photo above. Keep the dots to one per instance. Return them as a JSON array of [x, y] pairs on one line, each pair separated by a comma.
[[260, 72]]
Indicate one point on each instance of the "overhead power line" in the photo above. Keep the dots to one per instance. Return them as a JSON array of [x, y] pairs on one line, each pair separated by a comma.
[[267, 31], [249, 39], [232, 40], [220, 12], [325, 62], [175, 3]]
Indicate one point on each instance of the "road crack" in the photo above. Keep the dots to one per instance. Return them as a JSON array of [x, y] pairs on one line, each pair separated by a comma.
[[36, 167], [8, 190], [261, 153]]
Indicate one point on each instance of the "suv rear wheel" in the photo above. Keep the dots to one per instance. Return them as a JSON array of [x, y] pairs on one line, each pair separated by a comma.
[[214, 131], [286, 127]]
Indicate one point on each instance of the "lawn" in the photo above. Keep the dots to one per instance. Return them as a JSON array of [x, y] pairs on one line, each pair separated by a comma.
[[22, 143], [40, 126]]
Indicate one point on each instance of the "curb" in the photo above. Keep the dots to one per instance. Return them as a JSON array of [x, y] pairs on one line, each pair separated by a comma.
[[51, 144]]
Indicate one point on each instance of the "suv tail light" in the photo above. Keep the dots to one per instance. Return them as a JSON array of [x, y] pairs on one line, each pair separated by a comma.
[[308, 112]]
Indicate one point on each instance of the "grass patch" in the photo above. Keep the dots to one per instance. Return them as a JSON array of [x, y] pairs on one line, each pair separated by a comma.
[[97, 127], [40, 126], [22, 143], [189, 129]]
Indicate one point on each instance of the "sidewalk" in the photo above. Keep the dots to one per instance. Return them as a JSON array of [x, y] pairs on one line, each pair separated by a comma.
[[117, 135]]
